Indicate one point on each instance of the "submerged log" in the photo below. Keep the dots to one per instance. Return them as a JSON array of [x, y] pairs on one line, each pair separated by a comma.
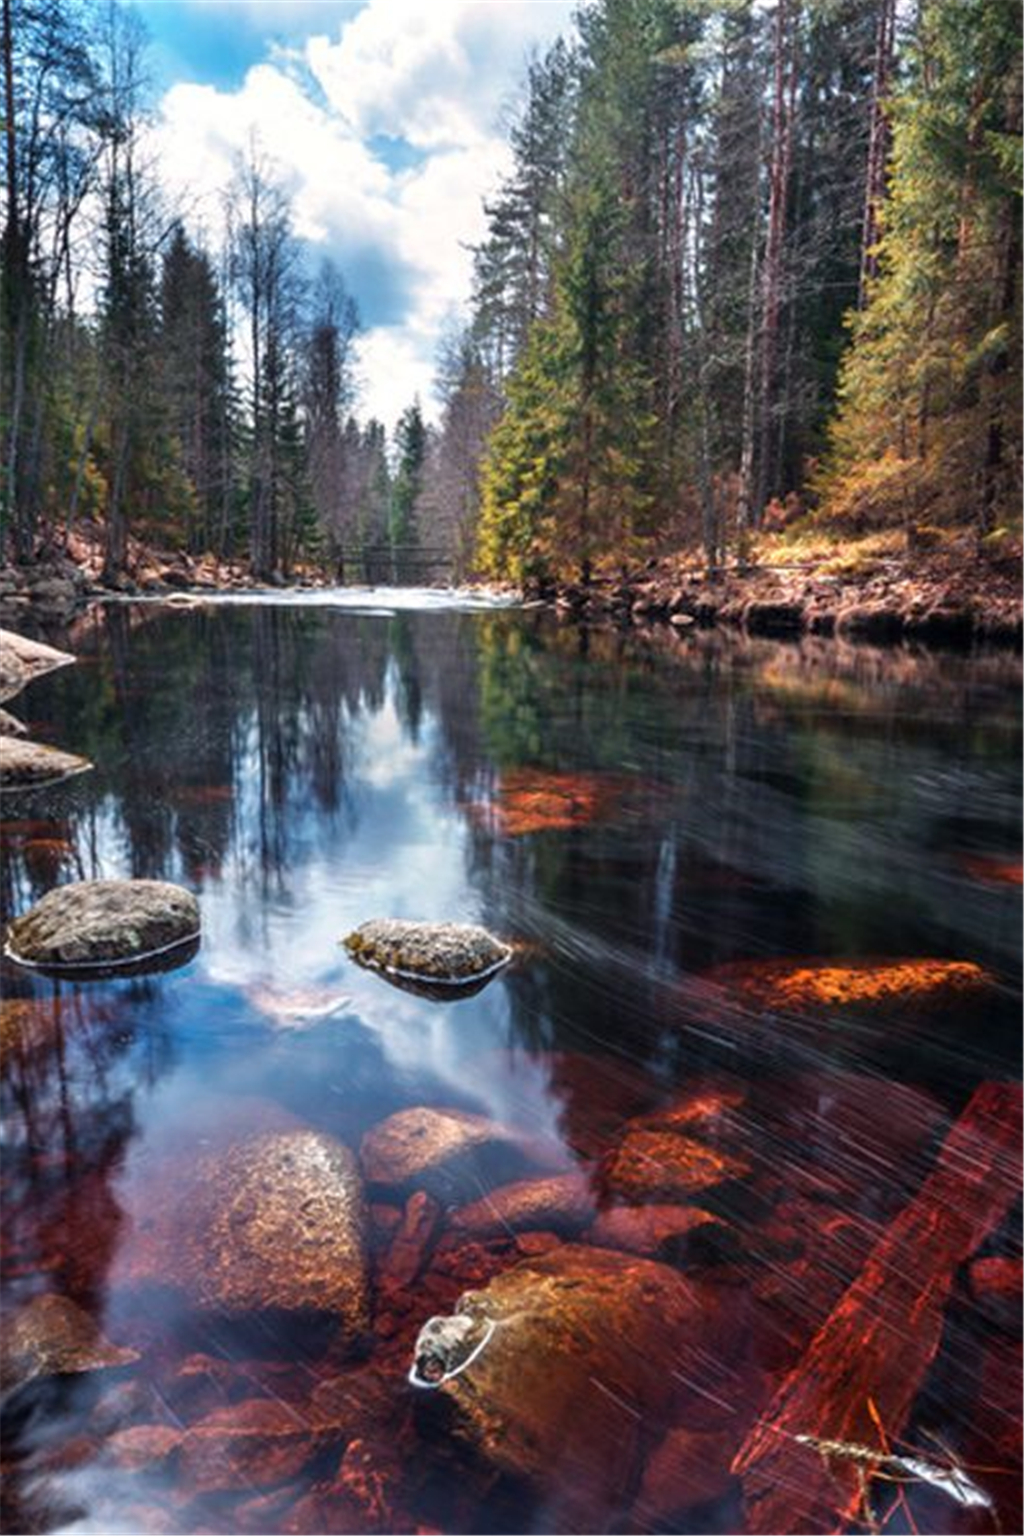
[[867, 1362]]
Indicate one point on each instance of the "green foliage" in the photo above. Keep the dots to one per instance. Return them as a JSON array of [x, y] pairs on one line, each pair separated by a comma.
[[410, 450], [929, 403], [196, 388], [564, 480]]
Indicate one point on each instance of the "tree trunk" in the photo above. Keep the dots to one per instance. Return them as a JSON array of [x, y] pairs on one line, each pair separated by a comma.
[[782, 144], [744, 499], [116, 531], [1003, 306], [878, 148]]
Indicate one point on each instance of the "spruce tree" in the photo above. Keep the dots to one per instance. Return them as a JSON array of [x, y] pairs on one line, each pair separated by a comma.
[[929, 419]]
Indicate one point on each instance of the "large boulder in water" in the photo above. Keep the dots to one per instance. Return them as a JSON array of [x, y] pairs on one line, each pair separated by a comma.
[[557, 1373], [435, 956], [97, 923], [30, 765], [270, 1223]]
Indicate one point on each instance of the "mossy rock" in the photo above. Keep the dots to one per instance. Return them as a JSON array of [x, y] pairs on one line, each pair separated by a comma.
[[431, 955], [100, 923], [29, 765]]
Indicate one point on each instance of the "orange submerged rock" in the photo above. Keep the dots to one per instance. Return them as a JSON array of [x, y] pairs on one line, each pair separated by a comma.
[[653, 1231], [797, 986], [658, 1165], [534, 800], [993, 871], [562, 1203]]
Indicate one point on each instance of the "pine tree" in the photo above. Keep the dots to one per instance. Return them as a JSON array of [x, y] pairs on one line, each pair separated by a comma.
[[139, 473], [196, 384], [328, 393], [447, 509], [564, 480], [410, 453], [929, 419], [513, 265], [52, 110]]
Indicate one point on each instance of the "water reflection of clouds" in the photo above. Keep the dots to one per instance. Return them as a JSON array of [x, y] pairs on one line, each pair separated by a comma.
[[402, 852]]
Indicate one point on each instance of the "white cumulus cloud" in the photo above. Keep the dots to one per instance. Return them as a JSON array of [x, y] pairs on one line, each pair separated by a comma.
[[433, 74], [432, 78]]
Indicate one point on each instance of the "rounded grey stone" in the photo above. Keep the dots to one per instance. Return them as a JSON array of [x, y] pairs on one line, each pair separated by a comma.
[[103, 922], [438, 954]]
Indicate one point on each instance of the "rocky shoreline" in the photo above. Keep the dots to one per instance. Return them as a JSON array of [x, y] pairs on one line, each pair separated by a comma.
[[952, 597], [60, 585], [942, 601]]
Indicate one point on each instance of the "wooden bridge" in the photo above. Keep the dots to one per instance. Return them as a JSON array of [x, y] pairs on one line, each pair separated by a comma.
[[393, 565]]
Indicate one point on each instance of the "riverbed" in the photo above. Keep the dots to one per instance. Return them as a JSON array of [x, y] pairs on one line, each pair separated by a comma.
[[765, 902]]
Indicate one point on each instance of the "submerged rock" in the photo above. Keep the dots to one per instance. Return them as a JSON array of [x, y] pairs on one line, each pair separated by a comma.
[[652, 1165], [556, 1372], [853, 1139], [528, 800], [435, 954], [103, 922], [274, 1222], [988, 869], [31, 1025], [410, 1242], [563, 1203], [26, 1025], [654, 1231], [300, 1008], [142, 1447], [863, 986], [51, 1336], [996, 1285], [424, 1146], [703, 1109], [253, 1444], [689, 1467], [30, 765]]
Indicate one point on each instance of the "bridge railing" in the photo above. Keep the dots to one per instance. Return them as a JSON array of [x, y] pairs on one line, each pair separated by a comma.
[[391, 565]]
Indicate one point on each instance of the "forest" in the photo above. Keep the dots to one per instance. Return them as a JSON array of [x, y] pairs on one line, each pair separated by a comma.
[[755, 270]]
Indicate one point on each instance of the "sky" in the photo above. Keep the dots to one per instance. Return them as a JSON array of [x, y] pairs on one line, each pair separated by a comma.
[[387, 121]]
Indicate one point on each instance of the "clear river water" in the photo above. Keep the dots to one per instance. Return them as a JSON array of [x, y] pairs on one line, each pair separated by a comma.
[[765, 905]]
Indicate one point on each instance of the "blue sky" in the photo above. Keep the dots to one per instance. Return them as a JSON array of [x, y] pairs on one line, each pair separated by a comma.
[[385, 119]]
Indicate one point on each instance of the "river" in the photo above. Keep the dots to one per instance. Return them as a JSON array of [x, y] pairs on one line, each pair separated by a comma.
[[666, 830]]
